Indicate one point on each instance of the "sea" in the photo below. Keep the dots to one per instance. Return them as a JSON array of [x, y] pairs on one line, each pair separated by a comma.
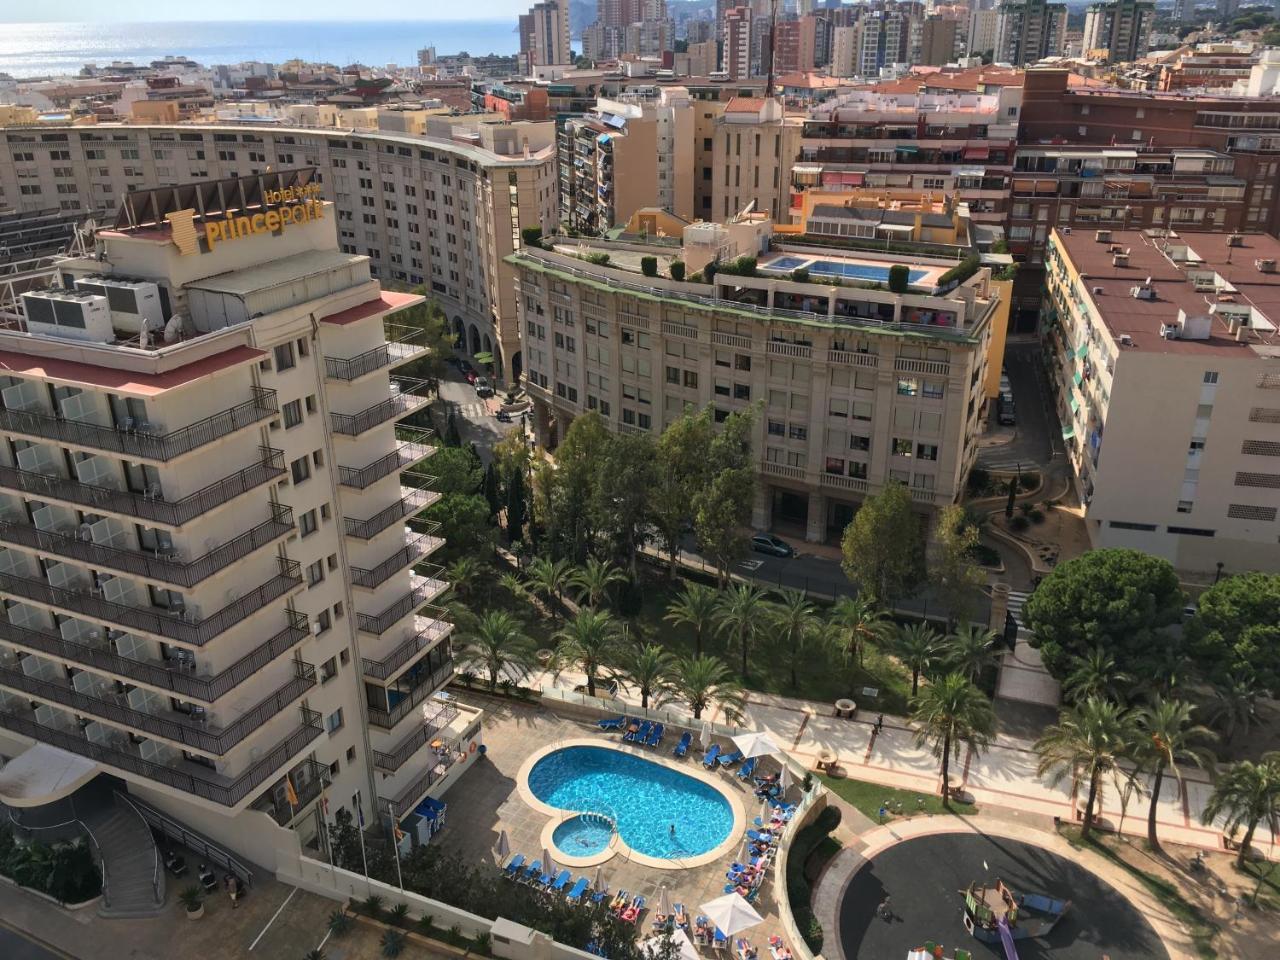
[[56, 49]]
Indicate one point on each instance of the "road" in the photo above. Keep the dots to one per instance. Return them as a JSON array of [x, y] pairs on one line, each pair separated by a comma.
[[1037, 438], [474, 415], [15, 945]]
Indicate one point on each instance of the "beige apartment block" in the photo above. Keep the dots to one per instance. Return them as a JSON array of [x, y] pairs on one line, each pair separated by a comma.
[[439, 212], [214, 591], [1168, 380], [752, 147], [858, 387]]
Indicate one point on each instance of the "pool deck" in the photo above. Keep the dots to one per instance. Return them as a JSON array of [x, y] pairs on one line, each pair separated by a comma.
[[922, 274], [488, 800]]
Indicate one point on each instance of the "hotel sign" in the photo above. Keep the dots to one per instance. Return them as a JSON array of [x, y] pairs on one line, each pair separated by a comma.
[[294, 205]]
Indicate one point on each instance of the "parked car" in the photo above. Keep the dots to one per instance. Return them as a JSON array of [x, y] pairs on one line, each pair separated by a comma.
[[768, 543], [483, 387], [1006, 417], [464, 366], [1005, 386]]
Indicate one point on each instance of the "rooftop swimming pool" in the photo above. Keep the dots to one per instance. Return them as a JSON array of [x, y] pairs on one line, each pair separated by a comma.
[[837, 269], [659, 812]]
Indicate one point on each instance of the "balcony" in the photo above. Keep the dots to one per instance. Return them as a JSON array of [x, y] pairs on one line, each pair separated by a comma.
[[188, 777], [407, 345], [907, 365], [852, 358], [405, 455], [428, 684], [137, 444], [415, 548], [147, 506], [172, 676], [431, 727], [429, 634], [406, 398], [412, 795], [171, 624], [187, 730], [420, 593], [147, 565], [410, 503], [281, 811]]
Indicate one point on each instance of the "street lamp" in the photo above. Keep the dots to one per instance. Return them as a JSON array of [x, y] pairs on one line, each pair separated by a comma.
[[1218, 576]]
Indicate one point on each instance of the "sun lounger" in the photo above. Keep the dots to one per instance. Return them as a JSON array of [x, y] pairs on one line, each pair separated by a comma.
[[729, 759], [682, 748], [545, 880], [720, 941], [640, 734], [760, 837], [679, 916], [655, 735], [748, 768], [709, 758], [632, 913], [532, 871], [513, 865], [612, 723], [600, 895], [619, 901], [561, 881], [579, 888]]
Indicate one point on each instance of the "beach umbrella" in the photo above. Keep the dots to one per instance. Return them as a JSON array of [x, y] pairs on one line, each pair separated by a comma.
[[503, 848], [652, 947], [755, 744], [784, 779], [742, 854], [599, 883], [548, 865], [731, 914], [704, 738], [664, 903]]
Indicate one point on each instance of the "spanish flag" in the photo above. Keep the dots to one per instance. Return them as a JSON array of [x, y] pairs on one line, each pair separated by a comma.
[[290, 793]]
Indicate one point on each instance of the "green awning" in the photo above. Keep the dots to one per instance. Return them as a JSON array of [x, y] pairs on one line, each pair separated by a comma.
[[1082, 349], [907, 148], [1077, 377], [1075, 404], [1068, 432]]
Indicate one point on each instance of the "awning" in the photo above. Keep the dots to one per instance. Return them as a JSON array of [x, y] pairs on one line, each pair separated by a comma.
[[1075, 404], [976, 153], [1077, 377], [1082, 349], [896, 227], [907, 149], [842, 178], [1068, 432]]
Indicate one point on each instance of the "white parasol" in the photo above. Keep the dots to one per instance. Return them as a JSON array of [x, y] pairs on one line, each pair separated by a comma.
[[755, 744], [731, 914]]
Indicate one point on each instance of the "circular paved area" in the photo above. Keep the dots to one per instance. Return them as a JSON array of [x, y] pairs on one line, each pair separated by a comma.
[[924, 877]]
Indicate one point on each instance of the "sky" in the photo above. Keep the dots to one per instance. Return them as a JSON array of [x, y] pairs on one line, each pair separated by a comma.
[[154, 10]]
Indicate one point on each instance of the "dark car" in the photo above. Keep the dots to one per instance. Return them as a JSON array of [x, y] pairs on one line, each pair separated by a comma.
[[767, 543], [1007, 416], [483, 388], [472, 377]]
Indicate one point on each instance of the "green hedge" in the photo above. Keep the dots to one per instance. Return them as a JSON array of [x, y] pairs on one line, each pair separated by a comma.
[[64, 871], [799, 893], [961, 272]]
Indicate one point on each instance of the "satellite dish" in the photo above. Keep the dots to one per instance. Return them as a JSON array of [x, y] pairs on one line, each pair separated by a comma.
[[173, 329]]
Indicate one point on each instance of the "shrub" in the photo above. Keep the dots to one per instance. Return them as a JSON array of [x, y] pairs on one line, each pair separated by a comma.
[[1036, 516], [531, 236], [481, 942], [507, 686], [800, 275], [799, 895], [426, 924], [696, 277], [961, 272], [466, 678], [899, 278], [1019, 523], [399, 913], [392, 943], [710, 271], [373, 905], [1025, 508], [677, 270], [745, 266], [339, 923], [979, 480], [316, 954], [599, 259], [649, 266], [985, 555]]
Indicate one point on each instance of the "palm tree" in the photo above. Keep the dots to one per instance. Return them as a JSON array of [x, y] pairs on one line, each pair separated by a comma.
[[792, 619], [589, 641], [1088, 742], [1096, 675], [549, 578], [949, 713], [461, 576], [696, 605], [864, 623], [513, 585], [647, 668], [971, 650], [499, 642], [1168, 738], [595, 579], [917, 647], [1234, 708], [702, 682], [1247, 794], [741, 610]]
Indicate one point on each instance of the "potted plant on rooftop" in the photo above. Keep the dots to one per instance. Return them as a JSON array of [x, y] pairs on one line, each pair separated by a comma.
[[192, 897]]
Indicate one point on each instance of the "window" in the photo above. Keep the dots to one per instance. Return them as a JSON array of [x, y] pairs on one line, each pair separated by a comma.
[[860, 443], [933, 389], [901, 448], [323, 621], [328, 669], [835, 465], [1191, 531], [292, 412], [741, 361], [673, 375], [691, 379], [351, 754], [315, 573], [333, 722], [300, 470], [332, 561], [908, 386], [307, 523], [1126, 525], [777, 428], [1211, 376], [284, 357], [741, 391], [926, 451], [798, 432]]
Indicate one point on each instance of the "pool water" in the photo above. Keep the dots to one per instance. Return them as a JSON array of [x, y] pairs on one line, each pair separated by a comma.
[[582, 836], [844, 271], [645, 799]]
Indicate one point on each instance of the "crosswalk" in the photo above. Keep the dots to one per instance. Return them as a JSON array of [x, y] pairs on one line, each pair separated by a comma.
[[1005, 463], [1024, 676], [471, 411]]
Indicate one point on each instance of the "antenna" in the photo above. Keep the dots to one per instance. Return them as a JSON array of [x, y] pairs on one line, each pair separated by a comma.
[[773, 42]]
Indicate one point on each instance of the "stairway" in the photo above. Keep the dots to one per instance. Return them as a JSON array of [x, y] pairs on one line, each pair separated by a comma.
[[129, 851]]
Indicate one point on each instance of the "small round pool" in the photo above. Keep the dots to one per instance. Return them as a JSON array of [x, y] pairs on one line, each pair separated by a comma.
[[583, 836], [659, 812]]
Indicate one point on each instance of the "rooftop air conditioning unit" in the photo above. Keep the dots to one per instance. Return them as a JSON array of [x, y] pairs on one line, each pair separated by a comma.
[[133, 303], [1265, 265], [1126, 340], [1120, 259], [70, 316], [1169, 331], [1096, 290], [1235, 240], [1103, 236]]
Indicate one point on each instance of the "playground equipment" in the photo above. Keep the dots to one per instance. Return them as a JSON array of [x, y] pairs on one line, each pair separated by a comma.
[[997, 915]]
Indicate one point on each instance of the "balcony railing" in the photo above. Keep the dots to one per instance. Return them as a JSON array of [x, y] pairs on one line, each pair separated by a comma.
[[189, 778], [417, 597], [409, 504], [174, 679], [183, 627], [405, 347], [409, 395], [175, 727], [430, 728], [149, 566], [145, 506], [415, 548], [405, 455], [387, 719], [285, 813], [429, 636], [135, 443], [411, 795]]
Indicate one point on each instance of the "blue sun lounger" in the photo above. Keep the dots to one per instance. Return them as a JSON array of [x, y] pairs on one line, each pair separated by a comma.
[[579, 888], [709, 758], [682, 748], [640, 734], [601, 895], [561, 881], [729, 759], [655, 735], [748, 768], [611, 723], [513, 865], [532, 871]]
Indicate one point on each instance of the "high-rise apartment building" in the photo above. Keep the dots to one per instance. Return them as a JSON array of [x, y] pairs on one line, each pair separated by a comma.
[[1029, 30], [938, 41], [438, 211], [1121, 27], [737, 48], [745, 152], [544, 35], [984, 29], [211, 597]]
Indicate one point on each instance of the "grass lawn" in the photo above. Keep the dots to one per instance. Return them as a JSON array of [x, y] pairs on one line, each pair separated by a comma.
[[869, 797]]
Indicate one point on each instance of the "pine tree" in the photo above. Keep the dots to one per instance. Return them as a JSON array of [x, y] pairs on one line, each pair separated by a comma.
[[490, 490], [452, 438], [515, 506]]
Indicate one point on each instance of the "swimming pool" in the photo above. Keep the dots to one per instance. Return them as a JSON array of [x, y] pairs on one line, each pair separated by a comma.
[[645, 800], [842, 271], [584, 835]]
